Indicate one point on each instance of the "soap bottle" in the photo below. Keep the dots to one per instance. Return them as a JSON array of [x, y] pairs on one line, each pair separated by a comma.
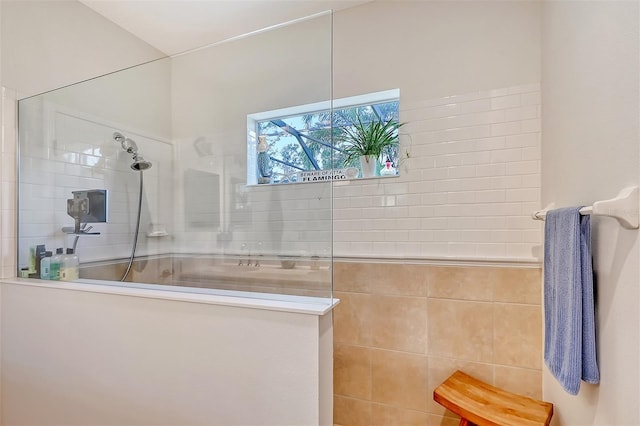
[[70, 268], [56, 264], [45, 266], [24, 272], [32, 259]]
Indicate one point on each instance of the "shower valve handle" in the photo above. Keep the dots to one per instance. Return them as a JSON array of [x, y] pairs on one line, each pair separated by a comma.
[[77, 208]]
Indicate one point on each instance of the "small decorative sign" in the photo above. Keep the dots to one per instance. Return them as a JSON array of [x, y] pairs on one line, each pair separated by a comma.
[[328, 175]]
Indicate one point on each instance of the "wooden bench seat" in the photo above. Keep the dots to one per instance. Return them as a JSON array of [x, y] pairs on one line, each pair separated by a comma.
[[479, 403]]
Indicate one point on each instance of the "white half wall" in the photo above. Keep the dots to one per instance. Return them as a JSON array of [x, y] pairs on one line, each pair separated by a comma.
[[590, 151], [78, 358]]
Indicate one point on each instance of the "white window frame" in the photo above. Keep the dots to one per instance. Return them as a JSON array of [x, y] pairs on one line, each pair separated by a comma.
[[351, 101]]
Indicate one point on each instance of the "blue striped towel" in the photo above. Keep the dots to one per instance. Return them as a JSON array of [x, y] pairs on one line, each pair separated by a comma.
[[569, 308]]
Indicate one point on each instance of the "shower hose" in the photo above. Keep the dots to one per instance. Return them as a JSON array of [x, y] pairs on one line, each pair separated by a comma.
[[135, 237]]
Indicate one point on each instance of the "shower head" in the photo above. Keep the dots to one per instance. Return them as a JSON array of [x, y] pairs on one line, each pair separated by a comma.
[[139, 163]]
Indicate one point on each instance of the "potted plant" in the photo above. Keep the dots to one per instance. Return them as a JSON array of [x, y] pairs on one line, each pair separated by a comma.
[[367, 141]]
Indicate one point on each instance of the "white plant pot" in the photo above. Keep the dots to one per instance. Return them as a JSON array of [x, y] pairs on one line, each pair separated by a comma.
[[368, 164]]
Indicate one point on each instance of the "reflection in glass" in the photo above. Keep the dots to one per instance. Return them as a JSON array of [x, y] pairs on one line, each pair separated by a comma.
[[201, 225]]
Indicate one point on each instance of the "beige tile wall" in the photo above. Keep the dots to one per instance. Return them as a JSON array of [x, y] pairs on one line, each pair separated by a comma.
[[221, 274], [402, 329]]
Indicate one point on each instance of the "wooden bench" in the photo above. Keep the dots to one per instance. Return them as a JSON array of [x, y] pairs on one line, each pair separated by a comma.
[[479, 403]]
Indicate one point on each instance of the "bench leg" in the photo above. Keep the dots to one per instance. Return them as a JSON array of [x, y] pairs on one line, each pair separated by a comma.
[[465, 422]]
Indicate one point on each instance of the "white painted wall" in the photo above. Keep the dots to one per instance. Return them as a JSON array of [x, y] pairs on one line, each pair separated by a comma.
[[50, 44], [434, 49], [590, 151], [79, 358]]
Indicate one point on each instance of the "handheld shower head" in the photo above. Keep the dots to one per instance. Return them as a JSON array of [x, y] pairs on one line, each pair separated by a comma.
[[140, 164]]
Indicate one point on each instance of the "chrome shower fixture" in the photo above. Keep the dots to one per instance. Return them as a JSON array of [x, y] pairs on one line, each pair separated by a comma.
[[129, 145], [140, 164]]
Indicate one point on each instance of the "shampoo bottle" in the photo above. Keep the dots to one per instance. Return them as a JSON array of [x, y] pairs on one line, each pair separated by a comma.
[[45, 266], [70, 268], [32, 260]]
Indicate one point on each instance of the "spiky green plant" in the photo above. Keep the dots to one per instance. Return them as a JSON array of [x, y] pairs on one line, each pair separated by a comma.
[[369, 138]]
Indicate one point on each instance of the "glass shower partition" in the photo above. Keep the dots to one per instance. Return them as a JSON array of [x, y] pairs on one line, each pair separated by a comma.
[[170, 150]]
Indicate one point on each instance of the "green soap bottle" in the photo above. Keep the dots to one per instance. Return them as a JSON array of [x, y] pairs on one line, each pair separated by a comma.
[[45, 266], [54, 269]]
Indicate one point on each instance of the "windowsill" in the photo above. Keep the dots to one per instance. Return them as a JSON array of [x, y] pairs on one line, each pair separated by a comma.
[[337, 181]]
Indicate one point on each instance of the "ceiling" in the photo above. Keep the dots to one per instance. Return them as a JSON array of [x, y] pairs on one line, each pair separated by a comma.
[[175, 26]]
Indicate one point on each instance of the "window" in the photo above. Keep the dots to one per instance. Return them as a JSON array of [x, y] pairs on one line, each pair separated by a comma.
[[286, 145]]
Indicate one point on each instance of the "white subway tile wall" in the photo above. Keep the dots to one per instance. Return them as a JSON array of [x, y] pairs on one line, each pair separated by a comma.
[[466, 190], [293, 219], [468, 184], [64, 151]]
